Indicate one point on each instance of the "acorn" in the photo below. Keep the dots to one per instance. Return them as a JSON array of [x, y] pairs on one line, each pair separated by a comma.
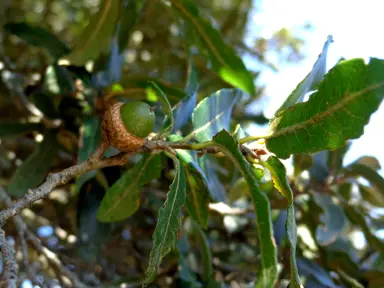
[[126, 126]]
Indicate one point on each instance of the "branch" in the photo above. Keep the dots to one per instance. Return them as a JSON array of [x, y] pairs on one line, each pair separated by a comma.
[[25, 233], [9, 276], [63, 177]]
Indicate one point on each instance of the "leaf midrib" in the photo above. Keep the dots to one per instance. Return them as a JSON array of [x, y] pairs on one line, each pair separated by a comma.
[[322, 115], [201, 31], [98, 26], [134, 183], [171, 212]]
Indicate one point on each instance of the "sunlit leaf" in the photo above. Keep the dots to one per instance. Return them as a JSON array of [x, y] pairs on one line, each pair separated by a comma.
[[223, 58], [96, 37], [338, 111], [268, 271], [213, 114], [168, 224], [280, 181], [123, 198], [39, 37], [279, 177], [35, 168], [310, 82]]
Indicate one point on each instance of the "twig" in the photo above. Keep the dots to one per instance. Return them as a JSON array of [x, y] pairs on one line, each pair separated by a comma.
[[9, 276]]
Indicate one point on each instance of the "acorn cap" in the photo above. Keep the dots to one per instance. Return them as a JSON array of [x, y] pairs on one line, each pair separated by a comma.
[[116, 134]]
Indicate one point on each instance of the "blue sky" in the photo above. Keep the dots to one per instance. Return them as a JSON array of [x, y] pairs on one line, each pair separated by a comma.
[[356, 30]]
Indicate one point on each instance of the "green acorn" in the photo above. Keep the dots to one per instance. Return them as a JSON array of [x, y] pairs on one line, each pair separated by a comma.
[[126, 126]]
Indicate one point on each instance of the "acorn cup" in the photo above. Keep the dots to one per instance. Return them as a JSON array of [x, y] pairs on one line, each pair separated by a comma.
[[126, 126]]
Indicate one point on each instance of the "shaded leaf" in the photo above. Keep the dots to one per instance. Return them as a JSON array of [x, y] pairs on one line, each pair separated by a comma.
[[168, 121], [376, 191], [128, 20], [333, 219], [109, 66], [309, 268], [123, 198], [91, 234], [35, 168], [279, 177], [58, 80], [302, 162], [38, 36], [291, 229], [197, 198], [216, 188], [279, 227], [310, 82], [268, 272], [223, 58], [358, 219], [372, 195], [90, 139], [213, 114], [131, 85], [15, 128], [95, 38], [182, 112], [338, 111], [168, 225], [369, 161], [202, 244]]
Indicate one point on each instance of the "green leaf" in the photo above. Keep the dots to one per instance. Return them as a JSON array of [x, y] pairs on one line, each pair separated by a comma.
[[168, 224], [338, 111], [370, 162], [239, 132], [35, 168], [213, 114], [280, 181], [205, 251], [96, 37], [182, 112], [123, 198], [197, 197], [128, 20], [134, 84], [223, 58], [302, 162], [310, 81], [374, 195], [168, 121], [39, 37], [358, 219], [15, 128], [290, 227], [279, 177], [333, 219], [268, 272], [91, 136], [58, 80]]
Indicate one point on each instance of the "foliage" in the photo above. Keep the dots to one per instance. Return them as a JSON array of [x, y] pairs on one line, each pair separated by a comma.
[[216, 202]]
